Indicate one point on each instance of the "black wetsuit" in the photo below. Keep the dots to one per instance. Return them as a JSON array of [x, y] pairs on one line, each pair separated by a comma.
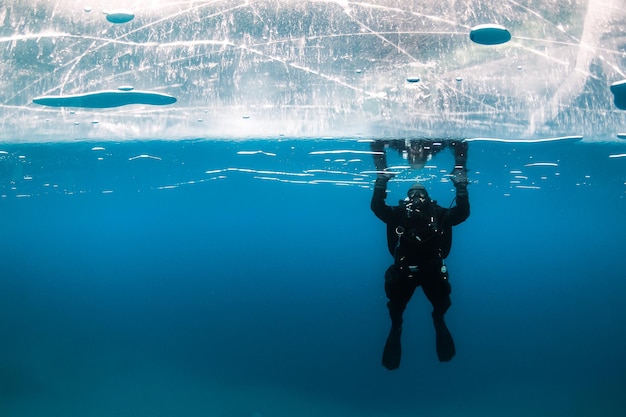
[[424, 243]]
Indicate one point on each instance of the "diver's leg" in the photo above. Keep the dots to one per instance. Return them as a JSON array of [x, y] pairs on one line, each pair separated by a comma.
[[437, 289], [399, 290]]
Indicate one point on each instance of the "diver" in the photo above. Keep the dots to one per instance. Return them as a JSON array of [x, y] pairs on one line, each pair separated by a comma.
[[419, 237]]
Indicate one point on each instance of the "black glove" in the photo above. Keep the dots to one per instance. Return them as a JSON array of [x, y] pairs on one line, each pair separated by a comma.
[[383, 178], [459, 179]]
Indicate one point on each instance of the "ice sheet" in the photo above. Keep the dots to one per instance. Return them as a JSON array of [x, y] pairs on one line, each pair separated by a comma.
[[261, 68]]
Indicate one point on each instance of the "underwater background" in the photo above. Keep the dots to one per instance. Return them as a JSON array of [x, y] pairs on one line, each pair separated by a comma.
[[178, 239], [245, 278]]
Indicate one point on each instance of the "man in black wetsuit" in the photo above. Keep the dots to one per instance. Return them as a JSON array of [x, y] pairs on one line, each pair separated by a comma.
[[419, 237]]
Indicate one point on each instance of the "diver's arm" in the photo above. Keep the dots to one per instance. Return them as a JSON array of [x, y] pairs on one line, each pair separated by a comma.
[[378, 205], [461, 210]]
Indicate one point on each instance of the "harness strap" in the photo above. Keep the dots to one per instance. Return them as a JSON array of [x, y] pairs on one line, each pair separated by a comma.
[[396, 251]]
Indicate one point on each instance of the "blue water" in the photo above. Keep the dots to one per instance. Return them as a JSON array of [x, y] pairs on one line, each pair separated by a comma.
[[190, 279]]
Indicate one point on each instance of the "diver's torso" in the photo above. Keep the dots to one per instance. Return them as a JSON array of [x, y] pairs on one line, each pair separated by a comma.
[[423, 238]]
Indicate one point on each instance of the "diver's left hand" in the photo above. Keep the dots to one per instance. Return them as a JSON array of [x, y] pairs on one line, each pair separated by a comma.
[[459, 177]]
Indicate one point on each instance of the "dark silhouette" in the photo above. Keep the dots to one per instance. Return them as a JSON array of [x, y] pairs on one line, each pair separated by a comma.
[[419, 237], [417, 152]]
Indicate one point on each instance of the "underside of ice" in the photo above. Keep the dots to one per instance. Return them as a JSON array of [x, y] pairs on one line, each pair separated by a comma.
[[272, 68]]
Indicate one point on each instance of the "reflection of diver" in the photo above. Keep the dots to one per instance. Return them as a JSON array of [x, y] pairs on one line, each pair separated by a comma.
[[419, 237], [418, 152]]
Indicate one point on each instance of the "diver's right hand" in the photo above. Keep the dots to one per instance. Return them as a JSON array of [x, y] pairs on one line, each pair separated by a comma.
[[382, 179]]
